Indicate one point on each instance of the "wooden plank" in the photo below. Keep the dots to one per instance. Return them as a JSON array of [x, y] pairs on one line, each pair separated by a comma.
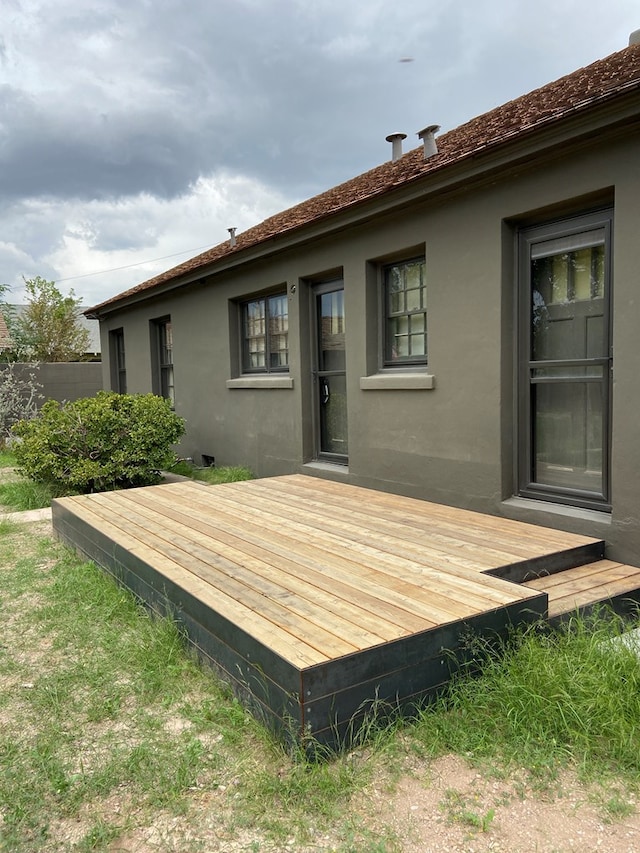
[[342, 575], [574, 600], [420, 535], [249, 666], [362, 610], [360, 551], [484, 541], [340, 604], [228, 579], [290, 592], [588, 584], [417, 580], [577, 575], [461, 517], [429, 603]]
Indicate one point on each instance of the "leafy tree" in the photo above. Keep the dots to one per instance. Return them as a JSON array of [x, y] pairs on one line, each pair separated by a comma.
[[49, 328]]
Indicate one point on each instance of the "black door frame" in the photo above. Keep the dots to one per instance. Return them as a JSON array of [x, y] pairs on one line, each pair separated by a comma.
[[526, 485], [320, 375]]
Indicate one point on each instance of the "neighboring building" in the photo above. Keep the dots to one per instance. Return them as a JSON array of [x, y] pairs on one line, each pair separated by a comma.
[[442, 326], [5, 337]]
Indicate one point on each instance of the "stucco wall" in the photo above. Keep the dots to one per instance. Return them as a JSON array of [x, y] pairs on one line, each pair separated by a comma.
[[455, 442]]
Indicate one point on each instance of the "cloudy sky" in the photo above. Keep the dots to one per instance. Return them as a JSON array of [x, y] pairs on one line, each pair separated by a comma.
[[133, 133]]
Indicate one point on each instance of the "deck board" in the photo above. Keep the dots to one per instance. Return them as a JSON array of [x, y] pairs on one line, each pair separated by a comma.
[[586, 585], [315, 598]]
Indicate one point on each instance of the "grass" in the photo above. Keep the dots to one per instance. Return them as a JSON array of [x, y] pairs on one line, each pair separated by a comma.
[[23, 494], [107, 723], [548, 701], [7, 459], [212, 475], [109, 728]]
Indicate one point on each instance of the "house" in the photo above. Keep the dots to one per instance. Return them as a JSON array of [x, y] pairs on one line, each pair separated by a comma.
[[5, 337], [459, 324]]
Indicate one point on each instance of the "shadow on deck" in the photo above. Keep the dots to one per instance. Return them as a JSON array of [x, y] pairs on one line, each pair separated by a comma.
[[315, 599]]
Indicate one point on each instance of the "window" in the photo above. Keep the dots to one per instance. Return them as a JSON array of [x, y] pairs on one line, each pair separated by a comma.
[[405, 306], [163, 367], [118, 368], [265, 334]]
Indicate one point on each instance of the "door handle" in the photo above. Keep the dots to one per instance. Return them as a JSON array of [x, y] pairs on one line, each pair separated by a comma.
[[324, 392]]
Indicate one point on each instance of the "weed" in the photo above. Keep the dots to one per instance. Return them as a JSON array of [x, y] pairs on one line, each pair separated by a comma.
[[459, 810]]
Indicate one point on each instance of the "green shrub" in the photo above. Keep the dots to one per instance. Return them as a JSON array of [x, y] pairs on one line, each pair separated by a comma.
[[109, 441]]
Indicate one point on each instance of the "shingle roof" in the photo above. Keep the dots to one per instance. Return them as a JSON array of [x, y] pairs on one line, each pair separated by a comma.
[[596, 83]]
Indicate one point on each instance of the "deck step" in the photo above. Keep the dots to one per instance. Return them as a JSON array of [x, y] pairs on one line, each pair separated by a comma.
[[583, 586]]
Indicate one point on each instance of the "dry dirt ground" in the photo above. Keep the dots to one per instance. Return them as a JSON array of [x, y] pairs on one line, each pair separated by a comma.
[[445, 807]]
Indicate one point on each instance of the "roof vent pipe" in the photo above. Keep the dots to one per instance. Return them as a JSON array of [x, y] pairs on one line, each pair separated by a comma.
[[428, 137], [232, 236], [396, 145], [634, 38]]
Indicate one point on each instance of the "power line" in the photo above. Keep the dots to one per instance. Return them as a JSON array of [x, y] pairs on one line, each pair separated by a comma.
[[130, 266]]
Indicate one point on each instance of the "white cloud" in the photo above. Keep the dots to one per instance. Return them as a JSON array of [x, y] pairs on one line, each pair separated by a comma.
[[132, 232]]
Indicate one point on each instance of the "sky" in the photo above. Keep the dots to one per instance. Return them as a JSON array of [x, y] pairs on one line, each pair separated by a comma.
[[133, 133]]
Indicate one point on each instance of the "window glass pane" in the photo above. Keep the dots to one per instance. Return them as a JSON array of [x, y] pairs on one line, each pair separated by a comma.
[[418, 344], [567, 305], [331, 351], [414, 300], [333, 416], [567, 450], [417, 322], [413, 275], [396, 302]]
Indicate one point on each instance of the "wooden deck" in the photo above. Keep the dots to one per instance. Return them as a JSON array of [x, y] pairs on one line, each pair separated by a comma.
[[315, 599]]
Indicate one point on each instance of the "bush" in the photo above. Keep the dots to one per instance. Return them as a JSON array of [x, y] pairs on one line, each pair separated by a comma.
[[110, 441]]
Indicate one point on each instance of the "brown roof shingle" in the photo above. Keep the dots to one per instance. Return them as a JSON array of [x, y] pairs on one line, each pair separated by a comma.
[[602, 80]]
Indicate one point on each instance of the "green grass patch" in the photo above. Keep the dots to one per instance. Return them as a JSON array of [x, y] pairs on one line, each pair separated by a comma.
[[22, 495], [212, 475], [546, 701], [7, 459]]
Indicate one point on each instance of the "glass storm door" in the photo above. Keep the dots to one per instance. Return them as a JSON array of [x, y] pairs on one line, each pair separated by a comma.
[[566, 361], [330, 376]]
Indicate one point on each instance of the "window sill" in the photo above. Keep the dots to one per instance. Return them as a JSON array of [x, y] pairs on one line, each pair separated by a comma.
[[516, 506], [261, 382], [398, 382]]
